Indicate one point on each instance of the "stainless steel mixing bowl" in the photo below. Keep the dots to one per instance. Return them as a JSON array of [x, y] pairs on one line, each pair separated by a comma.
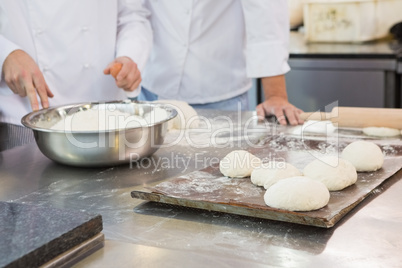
[[100, 147]]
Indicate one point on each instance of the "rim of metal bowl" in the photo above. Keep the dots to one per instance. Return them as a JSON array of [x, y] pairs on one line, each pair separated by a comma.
[[27, 123]]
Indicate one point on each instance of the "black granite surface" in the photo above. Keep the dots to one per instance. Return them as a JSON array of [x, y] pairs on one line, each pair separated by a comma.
[[33, 235]]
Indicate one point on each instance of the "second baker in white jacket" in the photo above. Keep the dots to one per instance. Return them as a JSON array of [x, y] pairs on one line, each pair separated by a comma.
[[205, 52]]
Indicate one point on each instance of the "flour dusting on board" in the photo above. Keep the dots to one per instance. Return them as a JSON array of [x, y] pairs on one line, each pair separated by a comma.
[[199, 184], [388, 149]]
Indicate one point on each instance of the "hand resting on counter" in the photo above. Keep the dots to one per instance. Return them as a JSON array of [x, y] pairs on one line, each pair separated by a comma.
[[276, 102]]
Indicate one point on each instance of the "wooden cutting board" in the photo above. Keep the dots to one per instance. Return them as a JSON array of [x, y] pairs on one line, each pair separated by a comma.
[[208, 189]]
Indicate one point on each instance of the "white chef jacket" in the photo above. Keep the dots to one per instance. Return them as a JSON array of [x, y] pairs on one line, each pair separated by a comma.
[[208, 50], [72, 42]]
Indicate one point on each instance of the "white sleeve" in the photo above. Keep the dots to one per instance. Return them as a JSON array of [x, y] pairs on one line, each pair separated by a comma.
[[267, 33], [134, 33], [6, 47]]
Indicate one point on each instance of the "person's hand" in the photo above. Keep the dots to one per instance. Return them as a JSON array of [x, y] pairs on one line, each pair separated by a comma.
[[281, 108], [276, 102], [24, 78], [129, 77]]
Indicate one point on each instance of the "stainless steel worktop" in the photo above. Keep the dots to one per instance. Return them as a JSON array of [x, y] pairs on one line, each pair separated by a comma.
[[379, 49], [144, 234]]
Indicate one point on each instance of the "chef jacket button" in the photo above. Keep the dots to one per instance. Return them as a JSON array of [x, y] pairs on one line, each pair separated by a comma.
[[84, 28], [39, 32], [45, 69], [87, 65]]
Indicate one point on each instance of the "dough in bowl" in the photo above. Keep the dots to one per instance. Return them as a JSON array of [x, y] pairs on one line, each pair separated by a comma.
[[238, 164], [364, 155], [186, 117], [104, 119], [268, 174], [381, 131], [336, 173], [156, 115], [297, 194]]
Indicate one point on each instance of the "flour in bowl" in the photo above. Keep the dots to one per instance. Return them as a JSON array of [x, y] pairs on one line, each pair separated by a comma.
[[156, 115], [99, 120]]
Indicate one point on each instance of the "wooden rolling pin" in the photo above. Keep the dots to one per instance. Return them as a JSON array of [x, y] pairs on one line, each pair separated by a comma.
[[359, 117]]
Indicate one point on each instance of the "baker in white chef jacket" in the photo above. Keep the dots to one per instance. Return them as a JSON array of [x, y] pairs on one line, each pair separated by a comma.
[[56, 52], [205, 52]]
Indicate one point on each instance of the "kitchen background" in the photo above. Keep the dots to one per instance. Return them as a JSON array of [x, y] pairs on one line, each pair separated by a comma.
[[343, 53]]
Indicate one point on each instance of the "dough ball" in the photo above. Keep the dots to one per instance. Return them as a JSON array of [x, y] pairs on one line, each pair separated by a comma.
[[186, 117], [336, 173], [320, 127], [268, 174], [297, 194], [156, 115], [238, 164], [364, 155], [381, 131]]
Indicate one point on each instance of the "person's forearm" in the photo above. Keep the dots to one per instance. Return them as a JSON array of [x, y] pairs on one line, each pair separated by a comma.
[[274, 86]]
